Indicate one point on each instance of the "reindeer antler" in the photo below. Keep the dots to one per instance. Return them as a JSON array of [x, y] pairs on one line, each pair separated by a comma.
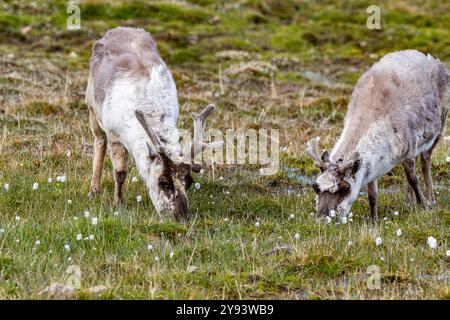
[[160, 148], [199, 126], [313, 152]]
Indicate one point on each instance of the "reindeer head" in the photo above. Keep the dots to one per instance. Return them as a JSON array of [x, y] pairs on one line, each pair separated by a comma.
[[171, 176], [335, 185]]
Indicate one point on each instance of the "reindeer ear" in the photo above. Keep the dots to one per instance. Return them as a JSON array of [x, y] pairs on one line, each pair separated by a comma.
[[355, 167], [352, 166], [325, 157]]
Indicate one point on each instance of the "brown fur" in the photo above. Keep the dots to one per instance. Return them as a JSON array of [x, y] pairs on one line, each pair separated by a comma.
[[407, 101], [121, 50]]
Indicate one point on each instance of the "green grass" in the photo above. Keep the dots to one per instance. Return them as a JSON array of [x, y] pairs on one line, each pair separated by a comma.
[[219, 252]]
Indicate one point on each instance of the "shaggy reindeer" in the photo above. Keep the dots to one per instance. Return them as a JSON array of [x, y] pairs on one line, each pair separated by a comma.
[[132, 101], [397, 111]]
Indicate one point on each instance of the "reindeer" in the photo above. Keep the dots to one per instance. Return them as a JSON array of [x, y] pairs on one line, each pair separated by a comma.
[[397, 111], [133, 108]]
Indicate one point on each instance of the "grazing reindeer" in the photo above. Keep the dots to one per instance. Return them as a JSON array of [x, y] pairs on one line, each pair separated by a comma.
[[132, 101], [397, 111]]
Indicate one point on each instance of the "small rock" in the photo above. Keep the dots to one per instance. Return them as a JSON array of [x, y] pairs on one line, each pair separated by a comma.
[[97, 290], [191, 269], [234, 55], [302, 295], [282, 248], [258, 67], [25, 30], [58, 291]]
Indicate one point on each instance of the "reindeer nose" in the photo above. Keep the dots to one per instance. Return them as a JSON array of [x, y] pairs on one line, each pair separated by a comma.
[[316, 187], [181, 207]]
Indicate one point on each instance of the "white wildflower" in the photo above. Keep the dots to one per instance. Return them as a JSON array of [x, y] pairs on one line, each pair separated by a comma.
[[49, 180], [171, 254], [350, 214], [378, 241], [399, 232], [297, 236], [67, 247], [79, 237], [396, 213], [116, 213], [156, 258], [91, 237], [138, 199], [38, 242], [332, 213], [226, 219], [220, 178], [86, 214], [447, 253], [94, 221], [134, 179], [68, 153], [6, 186], [432, 242], [343, 220], [447, 159], [17, 218], [291, 216], [350, 243], [69, 201], [150, 247], [35, 186], [197, 186], [328, 219]]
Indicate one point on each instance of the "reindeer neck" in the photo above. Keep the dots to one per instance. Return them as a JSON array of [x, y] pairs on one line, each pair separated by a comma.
[[374, 148]]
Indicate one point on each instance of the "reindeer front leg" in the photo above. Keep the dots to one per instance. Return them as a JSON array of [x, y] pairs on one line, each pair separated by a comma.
[[119, 158], [372, 191]]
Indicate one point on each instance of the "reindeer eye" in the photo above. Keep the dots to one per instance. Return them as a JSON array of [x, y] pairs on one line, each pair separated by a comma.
[[165, 185]]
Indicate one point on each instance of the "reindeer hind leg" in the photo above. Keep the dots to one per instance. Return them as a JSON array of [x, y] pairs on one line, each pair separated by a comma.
[[410, 170], [100, 143]]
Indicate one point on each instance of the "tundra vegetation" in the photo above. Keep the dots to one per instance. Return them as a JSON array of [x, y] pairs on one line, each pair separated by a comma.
[[289, 65]]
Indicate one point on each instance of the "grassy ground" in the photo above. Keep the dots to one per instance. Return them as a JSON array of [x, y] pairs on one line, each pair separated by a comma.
[[240, 241]]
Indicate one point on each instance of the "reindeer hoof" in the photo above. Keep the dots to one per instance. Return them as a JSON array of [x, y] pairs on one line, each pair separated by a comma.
[[430, 204], [117, 206], [93, 193]]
